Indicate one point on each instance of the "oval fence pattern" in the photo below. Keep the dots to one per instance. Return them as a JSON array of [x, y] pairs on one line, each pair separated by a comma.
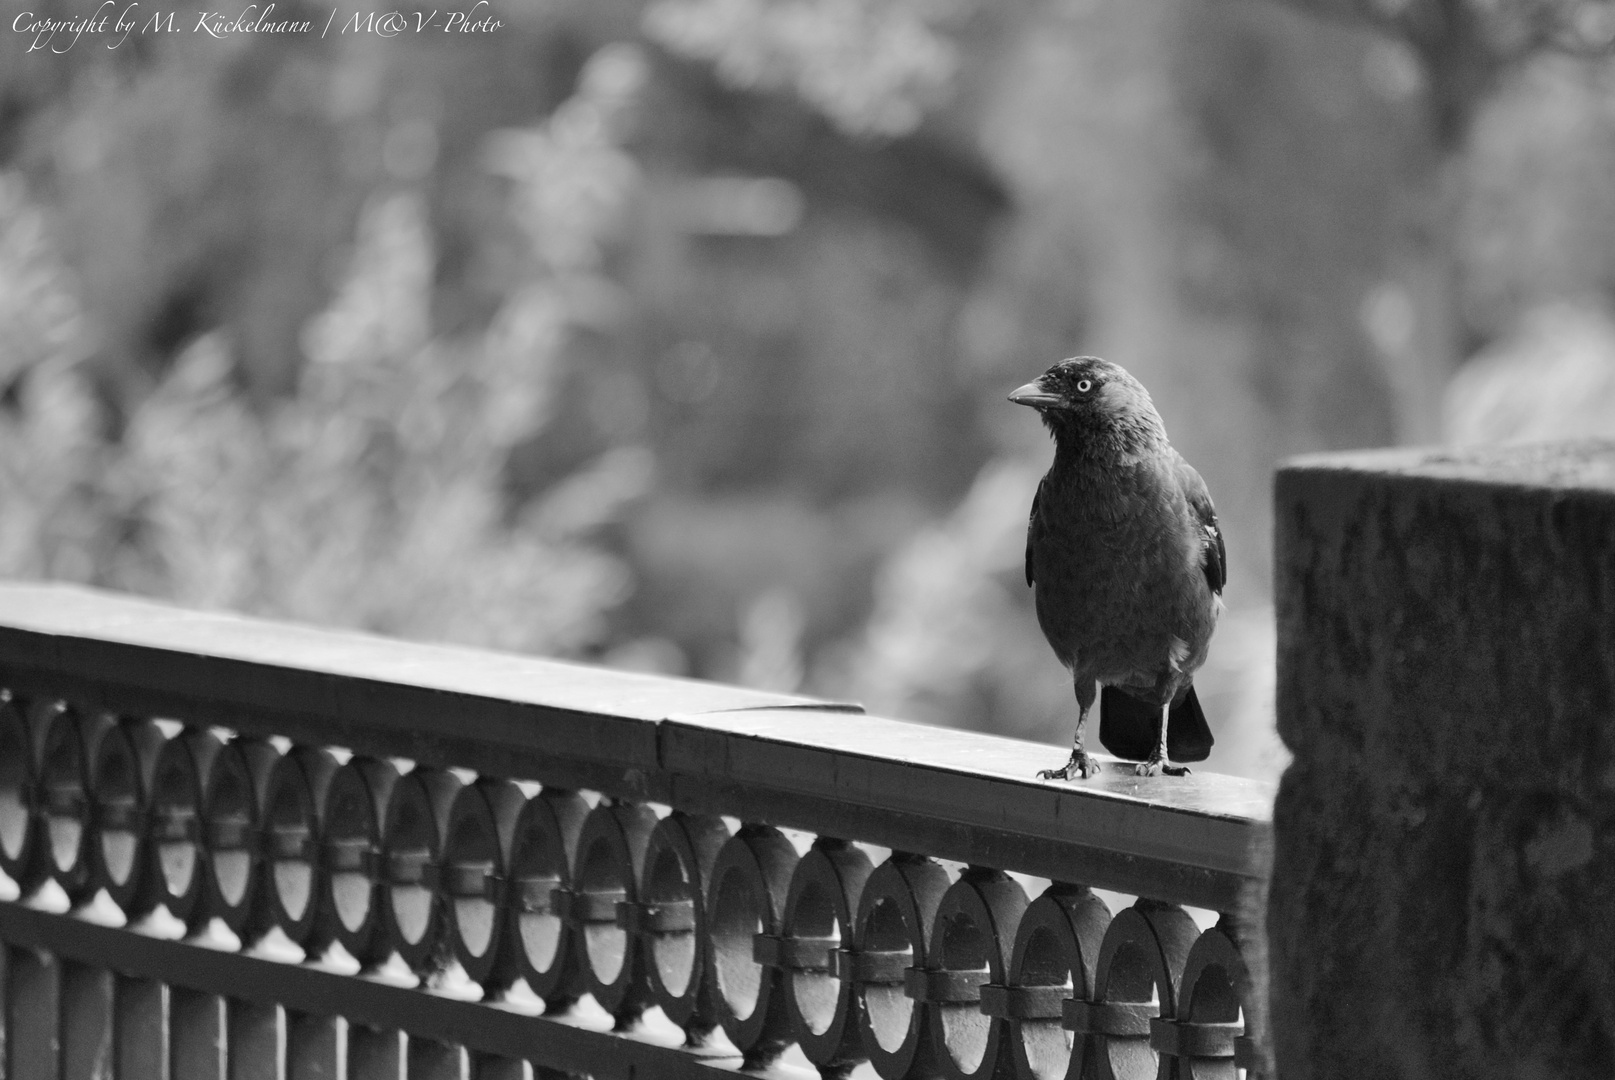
[[561, 907]]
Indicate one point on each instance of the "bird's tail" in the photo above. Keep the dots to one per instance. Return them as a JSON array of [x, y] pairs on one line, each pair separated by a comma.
[[1128, 727]]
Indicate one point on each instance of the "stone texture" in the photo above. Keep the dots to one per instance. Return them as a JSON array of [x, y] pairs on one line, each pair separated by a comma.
[[1443, 893]]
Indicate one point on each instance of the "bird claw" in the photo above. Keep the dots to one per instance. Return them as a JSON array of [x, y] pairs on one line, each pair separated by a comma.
[[1147, 768], [1081, 766]]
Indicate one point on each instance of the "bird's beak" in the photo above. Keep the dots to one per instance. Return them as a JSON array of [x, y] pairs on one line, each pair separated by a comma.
[[1034, 395]]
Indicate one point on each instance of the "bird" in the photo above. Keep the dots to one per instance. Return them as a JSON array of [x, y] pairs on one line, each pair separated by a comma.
[[1127, 563]]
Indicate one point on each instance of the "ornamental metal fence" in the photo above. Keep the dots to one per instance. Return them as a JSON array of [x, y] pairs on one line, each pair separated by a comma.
[[235, 848]]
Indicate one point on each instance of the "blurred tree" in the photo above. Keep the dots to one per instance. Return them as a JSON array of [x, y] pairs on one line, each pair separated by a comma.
[[208, 194], [1538, 227], [1552, 378], [50, 522], [213, 186], [952, 639], [807, 234], [1465, 46], [372, 495], [872, 68], [1463, 50], [198, 188]]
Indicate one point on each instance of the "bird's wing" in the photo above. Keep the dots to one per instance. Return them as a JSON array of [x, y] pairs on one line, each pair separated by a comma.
[[1213, 554], [1031, 527]]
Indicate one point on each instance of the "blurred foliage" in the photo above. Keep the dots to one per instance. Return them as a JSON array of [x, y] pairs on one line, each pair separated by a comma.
[[1467, 45], [1553, 377], [949, 637], [373, 496], [1538, 222], [872, 68], [675, 333], [50, 454]]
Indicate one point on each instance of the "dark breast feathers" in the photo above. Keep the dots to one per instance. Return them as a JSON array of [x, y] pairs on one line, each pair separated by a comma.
[[1113, 554]]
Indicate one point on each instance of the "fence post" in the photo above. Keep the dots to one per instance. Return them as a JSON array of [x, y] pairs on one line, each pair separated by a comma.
[[1443, 891]]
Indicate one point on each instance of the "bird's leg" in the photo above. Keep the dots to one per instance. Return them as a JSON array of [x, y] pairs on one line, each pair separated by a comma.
[[1082, 763], [1157, 759]]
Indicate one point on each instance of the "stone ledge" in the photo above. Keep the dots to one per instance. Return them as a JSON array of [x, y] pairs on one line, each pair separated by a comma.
[[1586, 464]]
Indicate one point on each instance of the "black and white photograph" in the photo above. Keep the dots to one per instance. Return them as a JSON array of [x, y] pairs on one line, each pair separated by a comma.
[[841, 539]]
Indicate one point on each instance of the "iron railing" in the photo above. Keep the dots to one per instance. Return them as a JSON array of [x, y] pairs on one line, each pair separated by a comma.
[[243, 849]]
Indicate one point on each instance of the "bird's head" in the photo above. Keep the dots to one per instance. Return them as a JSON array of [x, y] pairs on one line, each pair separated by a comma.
[[1093, 406]]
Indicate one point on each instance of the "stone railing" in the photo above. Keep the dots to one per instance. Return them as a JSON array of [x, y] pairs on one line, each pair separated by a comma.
[[235, 849]]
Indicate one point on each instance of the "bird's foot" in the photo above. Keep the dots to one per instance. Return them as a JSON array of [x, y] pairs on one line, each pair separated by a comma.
[[1156, 761], [1081, 766]]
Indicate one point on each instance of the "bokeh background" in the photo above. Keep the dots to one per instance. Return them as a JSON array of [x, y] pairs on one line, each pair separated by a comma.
[[675, 334]]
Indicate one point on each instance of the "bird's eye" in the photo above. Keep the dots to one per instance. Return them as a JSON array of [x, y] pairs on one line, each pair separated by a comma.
[[1084, 386]]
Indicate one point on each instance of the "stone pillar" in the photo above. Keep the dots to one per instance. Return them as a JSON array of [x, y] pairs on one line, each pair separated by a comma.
[[1443, 893]]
